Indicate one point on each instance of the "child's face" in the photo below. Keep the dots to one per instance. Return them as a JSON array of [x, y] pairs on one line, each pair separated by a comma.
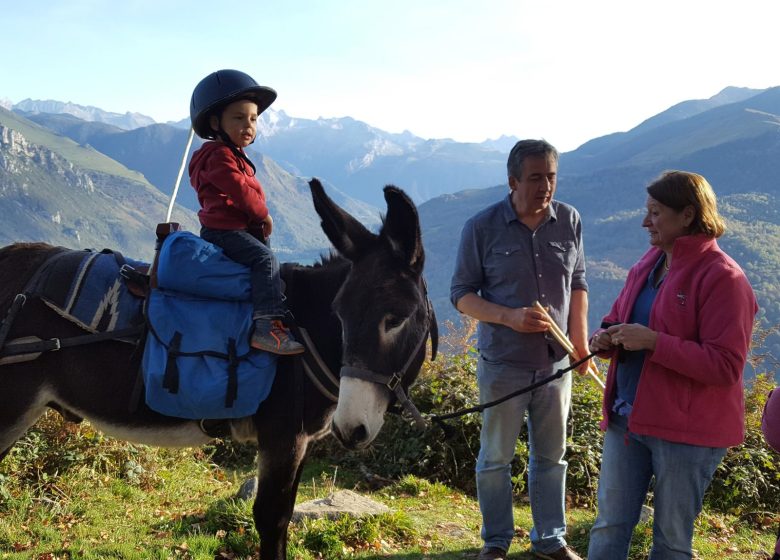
[[239, 121]]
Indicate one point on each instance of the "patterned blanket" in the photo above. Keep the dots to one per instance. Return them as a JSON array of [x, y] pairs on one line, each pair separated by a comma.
[[85, 287]]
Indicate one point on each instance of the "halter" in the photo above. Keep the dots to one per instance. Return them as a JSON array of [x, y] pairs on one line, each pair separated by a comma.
[[321, 376], [393, 380]]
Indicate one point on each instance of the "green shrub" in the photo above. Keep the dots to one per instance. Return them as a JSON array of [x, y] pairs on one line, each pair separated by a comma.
[[748, 479], [585, 441], [341, 537], [54, 447], [229, 454]]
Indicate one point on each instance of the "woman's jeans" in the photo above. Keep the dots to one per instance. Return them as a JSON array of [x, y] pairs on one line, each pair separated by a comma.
[[547, 408], [682, 474], [244, 248]]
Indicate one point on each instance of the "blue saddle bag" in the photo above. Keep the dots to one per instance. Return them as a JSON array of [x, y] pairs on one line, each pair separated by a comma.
[[197, 360]]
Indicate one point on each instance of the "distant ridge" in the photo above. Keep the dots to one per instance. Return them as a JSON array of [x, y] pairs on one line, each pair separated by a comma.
[[356, 157], [127, 121]]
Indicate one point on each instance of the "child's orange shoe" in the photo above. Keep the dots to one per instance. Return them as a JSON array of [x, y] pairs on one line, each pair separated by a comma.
[[272, 336]]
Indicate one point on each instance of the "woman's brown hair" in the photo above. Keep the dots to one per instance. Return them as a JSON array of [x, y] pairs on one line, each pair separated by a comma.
[[679, 189]]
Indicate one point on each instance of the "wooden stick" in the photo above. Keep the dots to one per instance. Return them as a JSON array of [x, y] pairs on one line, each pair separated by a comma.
[[559, 335], [568, 346]]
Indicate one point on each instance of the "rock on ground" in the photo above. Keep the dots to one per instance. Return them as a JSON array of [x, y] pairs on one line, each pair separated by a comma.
[[343, 502], [338, 504]]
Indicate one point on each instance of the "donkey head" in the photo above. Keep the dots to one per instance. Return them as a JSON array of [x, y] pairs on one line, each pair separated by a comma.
[[383, 308]]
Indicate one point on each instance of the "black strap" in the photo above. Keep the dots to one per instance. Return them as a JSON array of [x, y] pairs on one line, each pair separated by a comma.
[[59, 343], [232, 385], [298, 373], [119, 257], [171, 377], [439, 418], [138, 390], [13, 311], [133, 276]]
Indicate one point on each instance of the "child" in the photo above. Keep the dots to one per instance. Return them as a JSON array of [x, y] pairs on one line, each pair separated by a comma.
[[224, 108]]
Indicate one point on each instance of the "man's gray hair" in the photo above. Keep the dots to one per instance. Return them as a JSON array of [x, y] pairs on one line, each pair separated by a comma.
[[528, 148]]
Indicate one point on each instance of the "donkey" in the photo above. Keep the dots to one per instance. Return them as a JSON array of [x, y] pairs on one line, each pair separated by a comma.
[[364, 310]]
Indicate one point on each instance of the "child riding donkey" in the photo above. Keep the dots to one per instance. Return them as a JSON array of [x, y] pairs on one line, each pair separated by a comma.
[[224, 110]]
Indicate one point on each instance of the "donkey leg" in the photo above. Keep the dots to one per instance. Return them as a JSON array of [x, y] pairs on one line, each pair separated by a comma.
[[280, 470], [18, 413]]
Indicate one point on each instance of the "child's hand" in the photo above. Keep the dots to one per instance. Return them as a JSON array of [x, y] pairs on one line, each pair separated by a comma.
[[268, 225]]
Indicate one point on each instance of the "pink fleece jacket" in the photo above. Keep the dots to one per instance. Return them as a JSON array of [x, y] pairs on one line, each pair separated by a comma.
[[690, 389]]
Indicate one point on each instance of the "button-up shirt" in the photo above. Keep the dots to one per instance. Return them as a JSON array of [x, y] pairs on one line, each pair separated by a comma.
[[505, 262]]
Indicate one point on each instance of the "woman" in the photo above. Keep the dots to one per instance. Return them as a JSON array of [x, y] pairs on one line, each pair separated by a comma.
[[678, 335]]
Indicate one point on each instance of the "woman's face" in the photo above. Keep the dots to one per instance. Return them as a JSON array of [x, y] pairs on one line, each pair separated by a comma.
[[664, 224]]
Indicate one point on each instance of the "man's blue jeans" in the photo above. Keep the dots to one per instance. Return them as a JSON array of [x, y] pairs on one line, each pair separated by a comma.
[[548, 408], [244, 248], [682, 474]]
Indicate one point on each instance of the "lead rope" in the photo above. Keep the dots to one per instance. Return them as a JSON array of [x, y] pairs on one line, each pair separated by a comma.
[[178, 177], [439, 419]]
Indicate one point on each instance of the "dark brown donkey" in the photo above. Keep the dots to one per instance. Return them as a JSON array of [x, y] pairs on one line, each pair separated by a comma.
[[367, 315]]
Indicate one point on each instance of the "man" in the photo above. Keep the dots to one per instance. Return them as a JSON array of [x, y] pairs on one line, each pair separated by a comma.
[[524, 248]]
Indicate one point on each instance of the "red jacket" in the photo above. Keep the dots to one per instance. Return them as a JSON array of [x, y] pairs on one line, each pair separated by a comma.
[[690, 389], [230, 195]]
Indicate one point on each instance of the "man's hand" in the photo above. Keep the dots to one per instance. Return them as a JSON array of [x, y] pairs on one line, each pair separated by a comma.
[[581, 350], [526, 320]]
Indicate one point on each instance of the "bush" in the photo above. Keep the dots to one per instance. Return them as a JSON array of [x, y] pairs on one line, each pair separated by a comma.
[[53, 447], [342, 537], [585, 441], [748, 479]]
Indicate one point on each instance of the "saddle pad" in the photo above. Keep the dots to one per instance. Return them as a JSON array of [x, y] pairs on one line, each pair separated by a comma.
[[191, 265], [197, 361], [86, 288]]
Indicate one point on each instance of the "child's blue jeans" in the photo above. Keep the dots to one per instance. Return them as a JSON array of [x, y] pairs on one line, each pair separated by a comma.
[[244, 248]]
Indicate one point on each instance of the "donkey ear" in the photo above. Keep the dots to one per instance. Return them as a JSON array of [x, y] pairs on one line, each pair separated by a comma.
[[350, 238], [402, 228]]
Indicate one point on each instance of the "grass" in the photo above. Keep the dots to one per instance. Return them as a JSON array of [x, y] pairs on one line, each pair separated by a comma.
[[110, 499]]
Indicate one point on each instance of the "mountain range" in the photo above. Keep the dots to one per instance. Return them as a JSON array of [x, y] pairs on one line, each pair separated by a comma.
[[733, 138]]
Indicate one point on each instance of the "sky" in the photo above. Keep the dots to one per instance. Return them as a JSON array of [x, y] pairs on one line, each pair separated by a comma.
[[564, 70]]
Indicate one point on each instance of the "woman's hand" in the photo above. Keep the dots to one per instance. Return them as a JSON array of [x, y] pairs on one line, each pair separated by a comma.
[[601, 342], [632, 336]]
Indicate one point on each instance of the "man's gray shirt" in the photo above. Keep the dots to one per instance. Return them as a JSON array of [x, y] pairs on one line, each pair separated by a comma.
[[506, 263]]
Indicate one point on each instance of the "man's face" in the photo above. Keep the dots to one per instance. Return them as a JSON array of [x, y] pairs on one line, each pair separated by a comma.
[[533, 192]]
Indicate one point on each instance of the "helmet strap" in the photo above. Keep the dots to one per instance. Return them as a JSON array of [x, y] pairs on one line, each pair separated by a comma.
[[235, 149]]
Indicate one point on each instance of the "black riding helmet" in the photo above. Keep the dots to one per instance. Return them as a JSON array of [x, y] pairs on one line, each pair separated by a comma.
[[219, 89]]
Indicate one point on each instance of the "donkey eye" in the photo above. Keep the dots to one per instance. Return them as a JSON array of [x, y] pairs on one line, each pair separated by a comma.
[[392, 322]]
